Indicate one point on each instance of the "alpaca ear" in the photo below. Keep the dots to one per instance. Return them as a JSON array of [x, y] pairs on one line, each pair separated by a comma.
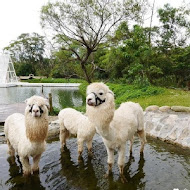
[[25, 101], [47, 103], [111, 92]]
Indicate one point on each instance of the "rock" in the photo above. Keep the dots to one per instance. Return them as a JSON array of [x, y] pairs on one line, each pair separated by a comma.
[[165, 108], [53, 130], [184, 133], [2, 140], [152, 108], [180, 109]]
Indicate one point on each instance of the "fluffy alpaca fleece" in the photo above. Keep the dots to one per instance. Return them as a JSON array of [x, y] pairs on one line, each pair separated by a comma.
[[115, 127], [74, 122], [26, 134]]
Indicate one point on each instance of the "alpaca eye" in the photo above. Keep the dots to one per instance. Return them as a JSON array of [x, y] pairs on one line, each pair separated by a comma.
[[101, 93]]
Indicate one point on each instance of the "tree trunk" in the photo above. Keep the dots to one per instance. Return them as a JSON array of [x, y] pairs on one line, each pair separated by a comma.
[[149, 35], [88, 79]]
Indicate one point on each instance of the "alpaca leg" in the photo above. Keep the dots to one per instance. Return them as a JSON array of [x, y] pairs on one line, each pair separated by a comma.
[[142, 136], [64, 134], [11, 150], [121, 162], [89, 146], [110, 160], [131, 145], [36, 160], [25, 165], [80, 147]]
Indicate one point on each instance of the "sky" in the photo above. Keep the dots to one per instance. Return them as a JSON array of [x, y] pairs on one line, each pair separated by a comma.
[[23, 16]]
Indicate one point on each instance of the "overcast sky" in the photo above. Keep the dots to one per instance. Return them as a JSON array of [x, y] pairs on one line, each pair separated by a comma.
[[23, 16]]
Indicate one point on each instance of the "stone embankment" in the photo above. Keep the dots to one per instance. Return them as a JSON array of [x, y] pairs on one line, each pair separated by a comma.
[[171, 124]]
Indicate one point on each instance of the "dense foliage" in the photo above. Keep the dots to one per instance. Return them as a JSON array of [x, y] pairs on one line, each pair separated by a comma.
[[95, 40]]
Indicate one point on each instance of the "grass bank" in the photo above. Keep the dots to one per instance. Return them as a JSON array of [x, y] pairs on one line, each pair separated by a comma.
[[146, 96], [54, 80]]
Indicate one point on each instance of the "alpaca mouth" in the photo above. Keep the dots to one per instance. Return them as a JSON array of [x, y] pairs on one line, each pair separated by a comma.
[[90, 103], [36, 115]]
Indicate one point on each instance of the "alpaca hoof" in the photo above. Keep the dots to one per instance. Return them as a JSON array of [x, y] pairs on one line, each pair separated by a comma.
[[11, 160], [62, 149], [10, 153], [26, 173], [90, 154], [80, 158], [35, 170], [141, 153], [123, 179]]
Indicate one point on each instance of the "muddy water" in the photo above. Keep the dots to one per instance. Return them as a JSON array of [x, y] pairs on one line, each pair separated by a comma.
[[163, 167]]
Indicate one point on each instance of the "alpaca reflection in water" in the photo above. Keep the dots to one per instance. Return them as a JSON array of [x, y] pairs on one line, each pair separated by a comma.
[[16, 179], [134, 177], [88, 174], [78, 174]]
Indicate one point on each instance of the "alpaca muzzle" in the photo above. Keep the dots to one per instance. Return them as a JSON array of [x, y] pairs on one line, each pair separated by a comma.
[[36, 111], [94, 100]]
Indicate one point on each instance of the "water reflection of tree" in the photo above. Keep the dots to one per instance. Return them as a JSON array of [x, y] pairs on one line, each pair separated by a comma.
[[64, 98], [17, 181], [67, 98]]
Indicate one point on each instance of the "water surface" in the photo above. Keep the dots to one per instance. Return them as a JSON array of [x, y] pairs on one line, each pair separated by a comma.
[[163, 167], [62, 96]]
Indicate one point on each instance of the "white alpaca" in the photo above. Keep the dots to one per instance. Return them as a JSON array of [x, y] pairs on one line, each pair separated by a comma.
[[74, 122], [115, 127], [26, 134]]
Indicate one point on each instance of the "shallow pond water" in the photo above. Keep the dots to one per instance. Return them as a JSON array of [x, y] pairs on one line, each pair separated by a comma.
[[62, 96], [162, 167]]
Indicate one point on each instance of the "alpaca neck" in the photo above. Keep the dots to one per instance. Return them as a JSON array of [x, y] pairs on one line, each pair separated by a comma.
[[102, 117], [36, 128], [106, 131]]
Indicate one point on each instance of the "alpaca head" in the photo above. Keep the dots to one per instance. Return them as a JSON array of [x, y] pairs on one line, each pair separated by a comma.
[[36, 106], [100, 106], [36, 118], [98, 93]]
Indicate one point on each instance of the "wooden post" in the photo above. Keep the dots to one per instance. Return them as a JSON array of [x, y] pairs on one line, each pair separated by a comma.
[[42, 89], [50, 104]]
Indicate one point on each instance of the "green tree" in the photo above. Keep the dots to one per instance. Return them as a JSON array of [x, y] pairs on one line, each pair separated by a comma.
[[64, 66], [130, 59], [81, 26], [27, 50], [172, 47], [174, 30]]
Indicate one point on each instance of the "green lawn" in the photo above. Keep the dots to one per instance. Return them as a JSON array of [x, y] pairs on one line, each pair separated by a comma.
[[146, 96], [169, 98]]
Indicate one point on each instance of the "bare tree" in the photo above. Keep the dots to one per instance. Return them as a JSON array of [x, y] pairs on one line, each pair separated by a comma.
[[81, 25]]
